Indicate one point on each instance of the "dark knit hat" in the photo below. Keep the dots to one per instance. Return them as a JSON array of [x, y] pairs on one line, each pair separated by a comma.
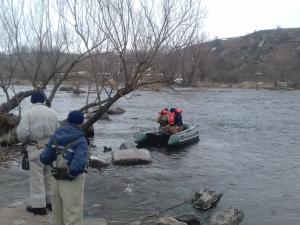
[[37, 97], [76, 117]]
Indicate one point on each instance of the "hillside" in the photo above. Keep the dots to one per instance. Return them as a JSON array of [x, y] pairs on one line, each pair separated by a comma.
[[271, 56]]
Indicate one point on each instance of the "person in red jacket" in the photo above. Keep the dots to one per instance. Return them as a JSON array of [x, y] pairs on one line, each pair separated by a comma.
[[163, 119], [175, 123]]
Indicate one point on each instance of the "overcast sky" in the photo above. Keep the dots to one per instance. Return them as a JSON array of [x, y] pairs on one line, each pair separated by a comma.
[[230, 18]]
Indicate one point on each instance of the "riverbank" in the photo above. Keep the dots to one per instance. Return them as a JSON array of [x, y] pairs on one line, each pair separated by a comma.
[[15, 214], [290, 85]]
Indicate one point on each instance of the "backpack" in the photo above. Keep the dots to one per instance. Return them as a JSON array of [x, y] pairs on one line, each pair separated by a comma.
[[60, 162]]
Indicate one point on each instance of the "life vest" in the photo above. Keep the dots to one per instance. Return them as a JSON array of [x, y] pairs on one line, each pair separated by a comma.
[[172, 116], [163, 117]]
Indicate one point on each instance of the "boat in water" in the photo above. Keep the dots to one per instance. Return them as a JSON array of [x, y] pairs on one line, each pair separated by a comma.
[[155, 136]]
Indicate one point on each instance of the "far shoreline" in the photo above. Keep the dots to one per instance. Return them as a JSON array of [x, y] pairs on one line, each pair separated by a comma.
[[289, 86]]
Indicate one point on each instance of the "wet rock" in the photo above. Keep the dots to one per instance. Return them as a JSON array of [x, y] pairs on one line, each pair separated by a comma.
[[115, 110], [169, 221], [98, 161], [189, 219], [106, 149], [66, 88], [78, 91], [206, 199], [127, 145], [89, 115], [230, 216], [131, 157]]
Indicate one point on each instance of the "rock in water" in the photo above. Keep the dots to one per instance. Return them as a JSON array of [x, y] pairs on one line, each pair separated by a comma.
[[206, 199], [66, 88], [98, 162], [115, 110], [189, 219], [169, 221], [131, 157], [230, 216], [127, 145]]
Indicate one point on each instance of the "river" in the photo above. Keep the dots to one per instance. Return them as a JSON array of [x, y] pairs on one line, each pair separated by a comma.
[[248, 150]]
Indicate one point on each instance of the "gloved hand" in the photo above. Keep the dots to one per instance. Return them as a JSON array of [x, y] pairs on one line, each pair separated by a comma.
[[61, 173]]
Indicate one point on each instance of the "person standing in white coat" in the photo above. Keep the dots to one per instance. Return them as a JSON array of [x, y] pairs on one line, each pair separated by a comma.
[[35, 128]]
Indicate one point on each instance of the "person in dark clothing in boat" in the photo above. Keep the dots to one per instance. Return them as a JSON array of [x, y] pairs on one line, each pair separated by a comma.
[[175, 123], [163, 119]]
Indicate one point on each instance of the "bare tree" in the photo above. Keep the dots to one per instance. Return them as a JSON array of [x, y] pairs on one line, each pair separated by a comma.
[[191, 60], [119, 43], [136, 33], [40, 47]]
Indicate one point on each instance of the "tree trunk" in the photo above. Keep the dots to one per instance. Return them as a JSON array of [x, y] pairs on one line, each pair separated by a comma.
[[106, 106], [14, 101]]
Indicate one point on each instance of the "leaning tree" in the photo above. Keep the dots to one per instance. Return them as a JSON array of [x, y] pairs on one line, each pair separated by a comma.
[[135, 34], [120, 44]]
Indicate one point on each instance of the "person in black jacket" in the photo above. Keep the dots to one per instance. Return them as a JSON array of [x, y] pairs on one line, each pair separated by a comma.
[[175, 121]]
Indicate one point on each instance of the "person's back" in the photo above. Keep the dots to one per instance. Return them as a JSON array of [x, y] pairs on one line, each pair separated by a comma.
[[178, 117], [76, 158], [175, 120], [37, 124], [35, 128], [67, 152], [163, 118]]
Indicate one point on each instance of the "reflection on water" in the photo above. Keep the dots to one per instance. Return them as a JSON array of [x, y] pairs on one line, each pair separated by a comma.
[[248, 150]]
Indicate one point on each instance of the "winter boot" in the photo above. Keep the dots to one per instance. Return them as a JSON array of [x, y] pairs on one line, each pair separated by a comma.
[[37, 211]]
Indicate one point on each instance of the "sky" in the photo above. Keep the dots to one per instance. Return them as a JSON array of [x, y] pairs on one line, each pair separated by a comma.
[[231, 18]]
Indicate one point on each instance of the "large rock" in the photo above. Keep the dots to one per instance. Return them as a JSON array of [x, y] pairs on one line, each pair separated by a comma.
[[230, 216], [204, 199], [131, 157], [78, 91], [189, 219], [66, 88], [127, 145], [169, 221], [96, 161], [115, 110]]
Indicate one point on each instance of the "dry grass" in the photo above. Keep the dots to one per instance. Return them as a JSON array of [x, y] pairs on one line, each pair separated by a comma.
[[7, 154]]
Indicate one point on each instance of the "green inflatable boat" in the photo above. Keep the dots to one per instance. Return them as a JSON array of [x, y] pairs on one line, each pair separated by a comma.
[[154, 136]]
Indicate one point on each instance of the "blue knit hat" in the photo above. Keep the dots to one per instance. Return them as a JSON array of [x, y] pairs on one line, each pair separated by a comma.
[[37, 97], [76, 117]]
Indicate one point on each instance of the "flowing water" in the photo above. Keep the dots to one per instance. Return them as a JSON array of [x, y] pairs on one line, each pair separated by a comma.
[[248, 150]]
